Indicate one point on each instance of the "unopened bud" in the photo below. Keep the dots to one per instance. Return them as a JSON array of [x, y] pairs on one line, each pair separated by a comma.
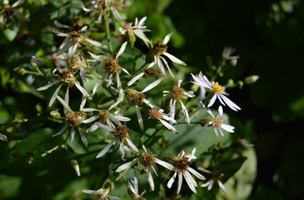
[[76, 166], [233, 62], [251, 79], [20, 70], [240, 84], [16, 154], [109, 186], [30, 160], [39, 109], [230, 83], [3, 137], [10, 129], [55, 114]]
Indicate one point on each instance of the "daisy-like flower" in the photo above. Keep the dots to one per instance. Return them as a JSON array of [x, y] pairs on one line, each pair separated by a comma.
[[146, 159], [101, 6], [102, 193], [182, 168], [73, 39], [226, 55], [73, 120], [216, 123], [121, 134], [112, 68], [65, 77], [8, 12], [215, 177], [158, 114], [3, 137], [138, 29], [216, 92], [136, 98], [133, 190], [176, 96], [155, 55]]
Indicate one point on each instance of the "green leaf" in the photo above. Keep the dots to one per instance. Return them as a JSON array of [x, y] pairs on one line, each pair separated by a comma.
[[231, 167]]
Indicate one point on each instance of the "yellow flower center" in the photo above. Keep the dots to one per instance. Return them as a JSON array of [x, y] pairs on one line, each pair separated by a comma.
[[217, 122], [146, 159], [217, 88]]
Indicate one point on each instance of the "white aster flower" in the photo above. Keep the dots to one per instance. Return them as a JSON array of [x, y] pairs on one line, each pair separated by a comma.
[[176, 96], [158, 114], [73, 120], [146, 159], [102, 193], [3, 137], [216, 92], [215, 177], [121, 134], [101, 6], [216, 123], [65, 77], [182, 168], [155, 55], [138, 29], [226, 55], [134, 190], [8, 12]]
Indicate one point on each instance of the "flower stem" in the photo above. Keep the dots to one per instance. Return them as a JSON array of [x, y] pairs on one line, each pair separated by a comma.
[[143, 66], [108, 32], [218, 71], [151, 136]]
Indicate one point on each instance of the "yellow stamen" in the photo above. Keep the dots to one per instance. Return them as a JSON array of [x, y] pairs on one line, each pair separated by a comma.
[[218, 88]]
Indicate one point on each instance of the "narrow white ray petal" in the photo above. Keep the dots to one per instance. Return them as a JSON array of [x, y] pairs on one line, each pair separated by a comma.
[[84, 28], [211, 184], [82, 90], [135, 78], [48, 85], [180, 182], [82, 75], [171, 181], [98, 58], [67, 99], [204, 170], [221, 131], [142, 21], [89, 191], [204, 127], [91, 119], [113, 198], [54, 96], [59, 25], [166, 64], [122, 49], [215, 130], [72, 134], [72, 50], [94, 42], [122, 30], [195, 173], [152, 85], [222, 186], [144, 148], [99, 20], [167, 38], [206, 184], [125, 71], [150, 179], [18, 3], [67, 46], [119, 100], [220, 110], [99, 83], [119, 118], [232, 105], [89, 109], [132, 145], [154, 170], [159, 65], [92, 128], [227, 128], [126, 166], [83, 138], [209, 111], [142, 36], [3, 120], [168, 126], [220, 99], [65, 105], [105, 149], [110, 80], [61, 130], [105, 127], [212, 100], [169, 119], [164, 164], [185, 112], [62, 35], [146, 101], [139, 118], [190, 181], [115, 13], [174, 59]]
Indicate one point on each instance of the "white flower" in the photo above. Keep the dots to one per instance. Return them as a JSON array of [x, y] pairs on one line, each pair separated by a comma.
[[177, 95], [9, 13], [158, 114], [155, 55], [138, 29], [182, 168], [121, 134], [216, 92], [101, 6], [217, 123], [215, 177], [226, 55], [65, 76], [134, 190], [146, 159], [102, 193], [73, 120], [3, 137]]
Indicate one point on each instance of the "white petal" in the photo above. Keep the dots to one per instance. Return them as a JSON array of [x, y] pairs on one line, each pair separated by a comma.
[[99, 83], [185, 112], [150, 179], [105, 149], [190, 181], [65, 105], [168, 126], [113, 198], [89, 109], [72, 134], [195, 173], [89, 191], [227, 128], [59, 25], [220, 110], [132, 145], [93, 128], [167, 66], [174, 59], [180, 182], [83, 138], [139, 118], [135, 78], [204, 127], [171, 181], [222, 186], [61, 130], [105, 127], [159, 65], [99, 58], [91, 119], [212, 100], [122, 49], [114, 11], [18, 3], [152, 85], [207, 183], [164, 164], [126, 166], [54, 96], [167, 38], [204, 170], [94, 43], [82, 90], [232, 105], [48, 85]]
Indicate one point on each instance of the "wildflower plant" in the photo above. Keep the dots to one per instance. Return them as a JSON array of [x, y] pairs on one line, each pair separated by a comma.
[[103, 74]]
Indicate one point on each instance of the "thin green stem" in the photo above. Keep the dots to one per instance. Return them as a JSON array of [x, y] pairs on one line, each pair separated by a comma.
[[108, 32], [133, 59], [151, 136], [143, 66], [218, 71]]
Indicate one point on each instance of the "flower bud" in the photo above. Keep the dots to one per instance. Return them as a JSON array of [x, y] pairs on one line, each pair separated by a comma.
[[55, 114], [20, 70], [76, 166], [251, 79], [240, 84], [16, 154], [233, 62], [30, 160], [10, 129], [109, 186]]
